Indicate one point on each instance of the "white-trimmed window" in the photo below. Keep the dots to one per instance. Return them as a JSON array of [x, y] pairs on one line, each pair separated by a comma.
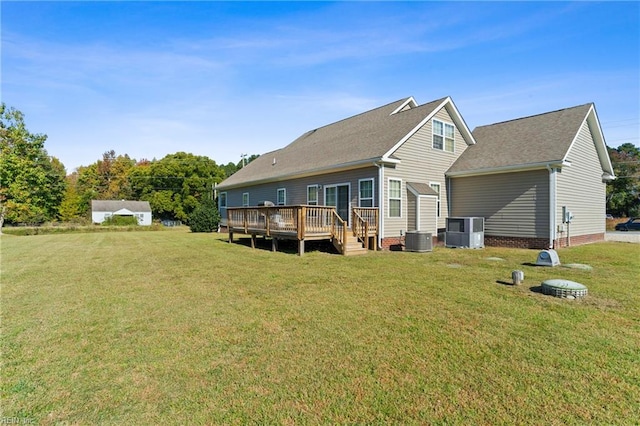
[[245, 199], [395, 198], [436, 187], [365, 192], [281, 198], [312, 195], [443, 136], [222, 200]]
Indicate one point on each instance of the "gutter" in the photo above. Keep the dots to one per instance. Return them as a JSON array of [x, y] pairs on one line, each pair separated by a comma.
[[606, 177], [297, 175], [508, 169]]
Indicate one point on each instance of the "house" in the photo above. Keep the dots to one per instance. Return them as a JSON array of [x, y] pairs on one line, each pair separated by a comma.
[[393, 158], [417, 165], [538, 181], [103, 209]]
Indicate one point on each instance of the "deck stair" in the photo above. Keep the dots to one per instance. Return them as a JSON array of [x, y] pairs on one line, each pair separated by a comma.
[[352, 246]]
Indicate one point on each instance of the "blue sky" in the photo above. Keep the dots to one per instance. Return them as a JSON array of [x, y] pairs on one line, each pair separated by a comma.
[[225, 78]]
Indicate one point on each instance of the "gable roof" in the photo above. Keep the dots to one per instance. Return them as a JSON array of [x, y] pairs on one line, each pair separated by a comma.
[[530, 142], [421, 189], [358, 141], [115, 205]]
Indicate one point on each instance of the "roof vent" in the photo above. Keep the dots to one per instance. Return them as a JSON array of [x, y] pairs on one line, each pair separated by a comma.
[[274, 161]]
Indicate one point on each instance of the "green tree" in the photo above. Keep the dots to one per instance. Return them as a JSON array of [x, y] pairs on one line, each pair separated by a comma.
[[106, 179], [231, 168], [176, 184], [70, 208], [113, 172], [623, 193], [32, 183], [205, 217]]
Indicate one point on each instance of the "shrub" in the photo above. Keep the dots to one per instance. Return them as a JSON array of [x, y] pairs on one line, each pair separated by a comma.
[[205, 218], [120, 221]]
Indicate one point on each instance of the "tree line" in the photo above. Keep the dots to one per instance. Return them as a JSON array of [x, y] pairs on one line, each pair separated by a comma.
[[35, 188], [623, 193]]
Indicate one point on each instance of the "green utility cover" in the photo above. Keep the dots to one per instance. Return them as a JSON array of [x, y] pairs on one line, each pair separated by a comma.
[[564, 288], [563, 284]]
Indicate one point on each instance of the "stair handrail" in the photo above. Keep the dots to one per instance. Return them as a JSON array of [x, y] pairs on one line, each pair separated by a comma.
[[361, 229], [339, 229]]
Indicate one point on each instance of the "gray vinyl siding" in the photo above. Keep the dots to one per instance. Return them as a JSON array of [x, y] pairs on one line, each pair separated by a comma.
[[580, 187], [420, 162], [296, 189], [422, 213], [512, 204], [412, 207], [428, 217], [394, 225]]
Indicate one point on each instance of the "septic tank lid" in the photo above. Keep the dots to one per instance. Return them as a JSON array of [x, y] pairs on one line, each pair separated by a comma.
[[563, 288]]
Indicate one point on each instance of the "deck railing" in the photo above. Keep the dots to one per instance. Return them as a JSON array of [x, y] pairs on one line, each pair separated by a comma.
[[364, 223], [339, 231], [304, 222], [295, 220]]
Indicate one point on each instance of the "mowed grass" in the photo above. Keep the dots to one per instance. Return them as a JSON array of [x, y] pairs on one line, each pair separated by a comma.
[[181, 328]]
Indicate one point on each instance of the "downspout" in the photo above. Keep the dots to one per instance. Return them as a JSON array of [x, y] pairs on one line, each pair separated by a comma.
[[552, 205], [380, 202], [449, 200], [417, 213]]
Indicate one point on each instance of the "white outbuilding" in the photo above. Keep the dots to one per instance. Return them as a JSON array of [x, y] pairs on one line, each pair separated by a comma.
[[103, 209]]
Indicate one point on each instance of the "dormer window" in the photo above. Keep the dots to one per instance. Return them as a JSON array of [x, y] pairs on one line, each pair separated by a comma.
[[443, 136]]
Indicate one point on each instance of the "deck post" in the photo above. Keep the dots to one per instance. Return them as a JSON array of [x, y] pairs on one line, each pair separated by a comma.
[[344, 239], [253, 241], [366, 235], [274, 244], [302, 214], [300, 247], [230, 235], [267, 222]]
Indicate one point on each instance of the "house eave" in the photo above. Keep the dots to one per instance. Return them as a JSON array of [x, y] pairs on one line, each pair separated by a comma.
[[359, 164], [510, 169]]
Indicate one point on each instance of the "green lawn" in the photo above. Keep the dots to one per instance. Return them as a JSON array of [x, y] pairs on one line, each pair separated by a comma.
[[180, 328]]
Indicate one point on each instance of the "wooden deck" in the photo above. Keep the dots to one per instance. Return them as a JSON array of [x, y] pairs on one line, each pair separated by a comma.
[[303, 223]]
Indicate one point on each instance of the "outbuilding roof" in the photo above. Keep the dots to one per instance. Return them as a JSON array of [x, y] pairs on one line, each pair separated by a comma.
[[115, 205]]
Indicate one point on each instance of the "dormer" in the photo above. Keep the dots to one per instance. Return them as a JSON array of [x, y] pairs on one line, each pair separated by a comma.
[[406, 105]]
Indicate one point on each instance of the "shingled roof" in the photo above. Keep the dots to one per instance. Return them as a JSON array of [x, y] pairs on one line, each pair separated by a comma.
[[115, 205], [358, 140], [529, 142]]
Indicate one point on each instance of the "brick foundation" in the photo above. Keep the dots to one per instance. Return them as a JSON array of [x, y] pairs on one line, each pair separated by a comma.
[[392, 243], [579, 240], [539, 243], [516, 242]]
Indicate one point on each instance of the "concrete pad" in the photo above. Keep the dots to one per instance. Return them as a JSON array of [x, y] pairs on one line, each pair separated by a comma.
[[626, 237]]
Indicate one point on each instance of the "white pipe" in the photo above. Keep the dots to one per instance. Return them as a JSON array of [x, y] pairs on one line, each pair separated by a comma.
[[552, 205]]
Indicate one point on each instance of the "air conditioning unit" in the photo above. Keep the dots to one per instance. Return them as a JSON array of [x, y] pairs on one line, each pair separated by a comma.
[[419, 241], [464, 232]]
